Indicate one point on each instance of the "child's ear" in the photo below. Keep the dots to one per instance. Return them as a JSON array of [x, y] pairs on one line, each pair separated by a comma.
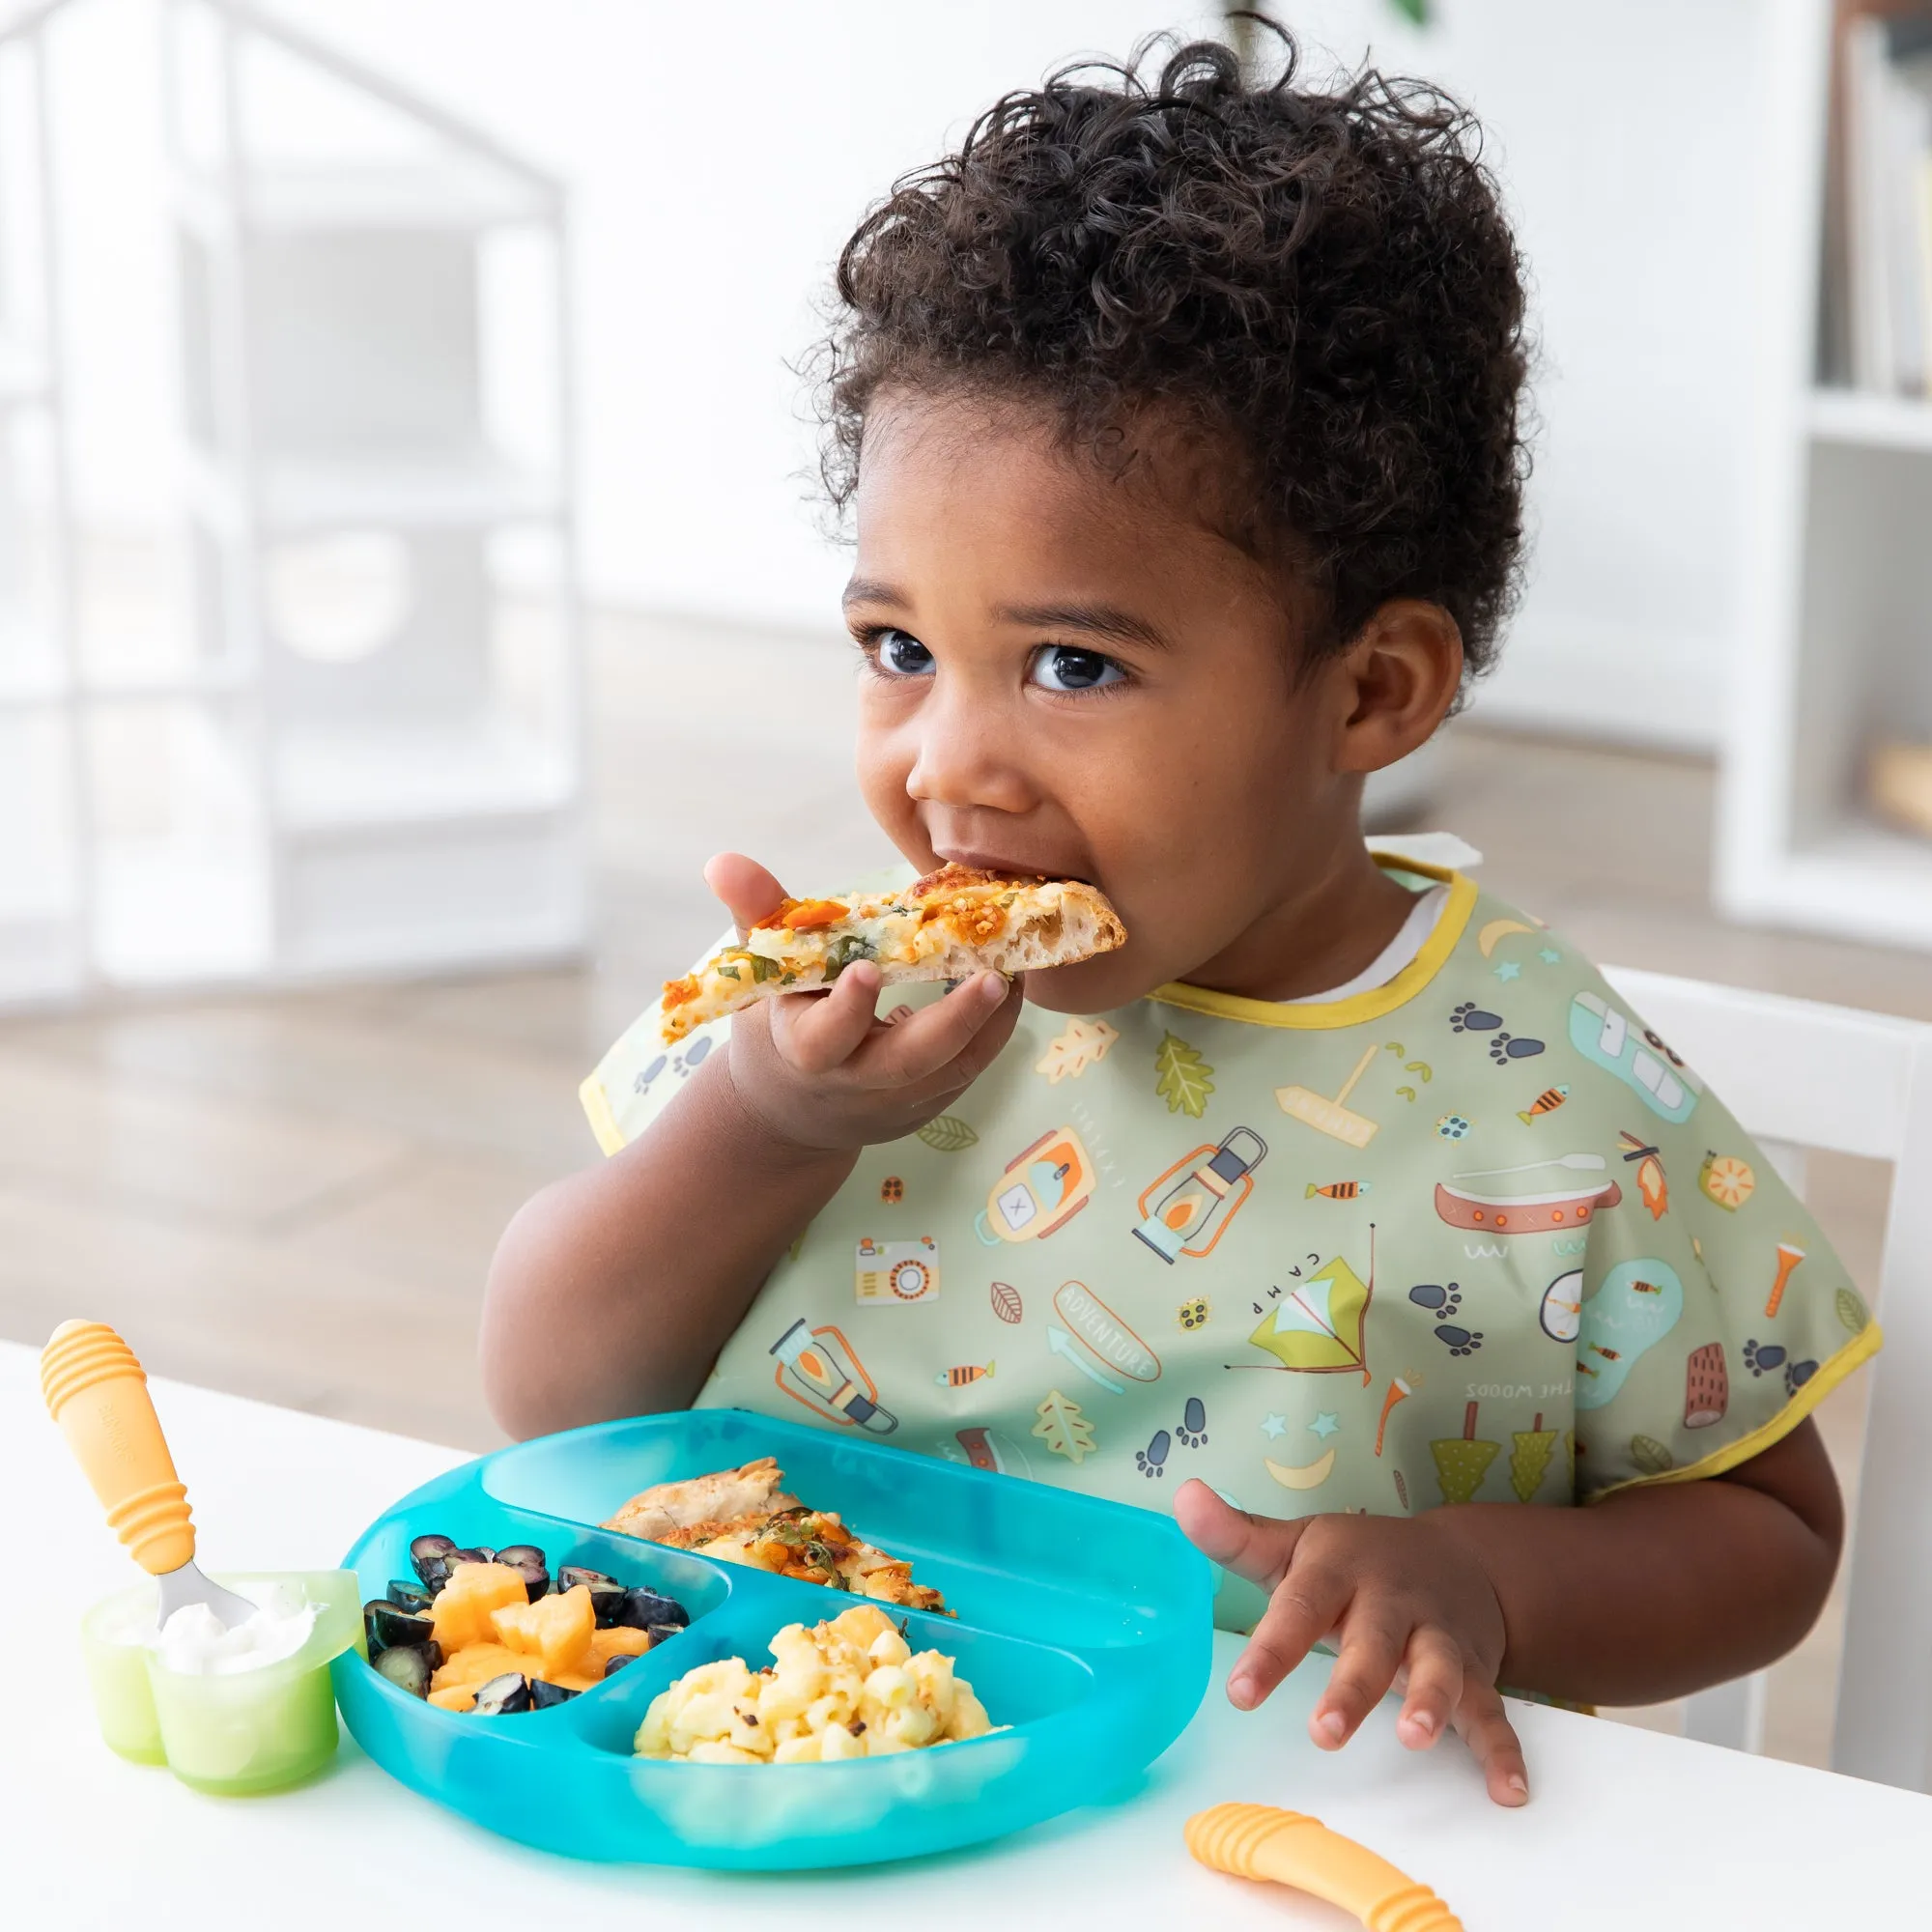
[[1398, 679]]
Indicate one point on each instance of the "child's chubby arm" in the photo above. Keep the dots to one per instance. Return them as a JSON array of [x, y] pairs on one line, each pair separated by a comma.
[[1650, 1594], [611, 1291]]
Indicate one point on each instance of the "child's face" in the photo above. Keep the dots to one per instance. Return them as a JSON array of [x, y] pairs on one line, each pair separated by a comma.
[[1071, 675]]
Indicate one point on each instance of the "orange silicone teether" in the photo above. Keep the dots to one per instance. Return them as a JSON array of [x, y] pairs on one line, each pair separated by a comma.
[[95, 1388], [1290, 1848]]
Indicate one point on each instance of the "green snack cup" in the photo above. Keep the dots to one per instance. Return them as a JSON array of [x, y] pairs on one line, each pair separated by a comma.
[[258, 1730], [117, 1670], [245, 1731]]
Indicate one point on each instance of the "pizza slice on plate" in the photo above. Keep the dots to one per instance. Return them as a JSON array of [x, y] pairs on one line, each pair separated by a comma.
[[742, 1516], [947, 926]]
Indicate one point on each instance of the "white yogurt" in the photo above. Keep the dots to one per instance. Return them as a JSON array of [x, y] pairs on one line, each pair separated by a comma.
[[195, 1642]]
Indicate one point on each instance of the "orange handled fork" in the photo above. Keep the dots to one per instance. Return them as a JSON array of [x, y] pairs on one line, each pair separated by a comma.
[[1290, 1848], [97, 1392]]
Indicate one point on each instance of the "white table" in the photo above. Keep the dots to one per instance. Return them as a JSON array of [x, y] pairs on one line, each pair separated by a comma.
[[1627, 1829]]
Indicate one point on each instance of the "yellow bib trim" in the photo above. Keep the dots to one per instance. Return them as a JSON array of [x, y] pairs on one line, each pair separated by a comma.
[[603, 1122], [1331, 1014], [1855, 1353]]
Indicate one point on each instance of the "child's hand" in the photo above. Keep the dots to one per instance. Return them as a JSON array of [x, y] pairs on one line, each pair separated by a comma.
[[821, 1071], [1403, 1598]]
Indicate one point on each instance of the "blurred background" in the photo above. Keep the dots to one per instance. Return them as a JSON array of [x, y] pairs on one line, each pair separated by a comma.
[[409, 573]]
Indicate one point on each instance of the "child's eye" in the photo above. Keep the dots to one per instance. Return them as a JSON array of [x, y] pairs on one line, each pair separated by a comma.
[[899, 654], [1065, 668]]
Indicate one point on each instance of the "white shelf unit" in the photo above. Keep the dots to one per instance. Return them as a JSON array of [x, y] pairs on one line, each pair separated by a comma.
[[371, 761], [43, 882], [1835, 649]]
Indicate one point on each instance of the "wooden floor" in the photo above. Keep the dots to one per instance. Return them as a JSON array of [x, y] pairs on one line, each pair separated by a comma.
[[294, 1197]]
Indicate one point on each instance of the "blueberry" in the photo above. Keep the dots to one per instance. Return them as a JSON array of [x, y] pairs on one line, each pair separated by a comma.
[[613, 1664], [408, 1666], [389, 1628], [429, 1558], [481, 1553], [411, 1597], [527, 1560], [543, 1697], [664, 1633], [606, 1594], [502, 1696], [643, 1607]]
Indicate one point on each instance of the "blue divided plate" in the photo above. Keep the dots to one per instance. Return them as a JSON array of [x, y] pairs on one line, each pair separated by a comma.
[[1085, 1626]]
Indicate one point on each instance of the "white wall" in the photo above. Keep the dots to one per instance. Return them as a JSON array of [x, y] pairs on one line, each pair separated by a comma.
[[720, 154]]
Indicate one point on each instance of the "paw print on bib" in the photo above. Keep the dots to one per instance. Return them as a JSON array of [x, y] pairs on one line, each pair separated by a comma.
[[1470, 1017], [690, 1056], [1193, 1429], [1508, 1047], [1153, 1459], [1443, 1303], [1767, 1358]]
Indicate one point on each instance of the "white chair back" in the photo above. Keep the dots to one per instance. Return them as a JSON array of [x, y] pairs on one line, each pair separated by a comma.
[[1800, 1075]]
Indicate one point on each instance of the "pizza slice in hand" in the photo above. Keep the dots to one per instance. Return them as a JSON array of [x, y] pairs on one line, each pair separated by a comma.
[[947, 926]]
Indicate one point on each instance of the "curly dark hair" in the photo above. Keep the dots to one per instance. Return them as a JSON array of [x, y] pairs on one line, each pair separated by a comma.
[[1325, 281]]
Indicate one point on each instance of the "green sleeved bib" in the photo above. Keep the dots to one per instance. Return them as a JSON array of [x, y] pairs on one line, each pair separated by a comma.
[[1476, 1234]]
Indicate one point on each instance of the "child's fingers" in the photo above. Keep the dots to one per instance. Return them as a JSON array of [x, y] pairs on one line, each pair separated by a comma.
[[749, 892], [1256, 1547], [818, 1032], [1302, 1613], [934, 1036], [1491, 1737], [1434, 1690], [1371, 1654]]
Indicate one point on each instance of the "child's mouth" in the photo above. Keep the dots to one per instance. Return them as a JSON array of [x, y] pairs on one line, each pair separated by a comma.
[[1006, 866]]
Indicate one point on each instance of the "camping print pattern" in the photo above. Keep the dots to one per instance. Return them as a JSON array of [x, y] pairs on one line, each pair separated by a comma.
[[1385, 1258]]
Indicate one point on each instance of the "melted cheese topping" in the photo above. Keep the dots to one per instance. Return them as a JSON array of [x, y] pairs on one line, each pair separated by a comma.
[[810, 941]]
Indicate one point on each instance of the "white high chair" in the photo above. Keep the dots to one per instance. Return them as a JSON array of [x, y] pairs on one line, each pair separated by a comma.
[[1801, 1075]]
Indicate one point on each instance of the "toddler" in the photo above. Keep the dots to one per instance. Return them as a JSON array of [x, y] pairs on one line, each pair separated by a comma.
[[1344, 1210]]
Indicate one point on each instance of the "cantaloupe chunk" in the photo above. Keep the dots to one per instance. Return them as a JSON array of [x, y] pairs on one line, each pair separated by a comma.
[[455, 1697], [461, 1611], [619, 1642], [554, 1631], [477, 1663]]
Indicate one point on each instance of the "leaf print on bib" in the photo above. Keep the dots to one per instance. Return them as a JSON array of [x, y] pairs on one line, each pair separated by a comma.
[[1181, 1077], [948, 1133], [1063, 1428]]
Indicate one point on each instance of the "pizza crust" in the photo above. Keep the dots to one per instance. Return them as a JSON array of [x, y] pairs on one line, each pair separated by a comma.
[[742, 1516], [949, 926]]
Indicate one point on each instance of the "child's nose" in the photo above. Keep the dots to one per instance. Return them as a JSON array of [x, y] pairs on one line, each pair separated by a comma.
[[969, 758]]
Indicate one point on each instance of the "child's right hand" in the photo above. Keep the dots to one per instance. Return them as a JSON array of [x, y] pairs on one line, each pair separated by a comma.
[[822, 1072]]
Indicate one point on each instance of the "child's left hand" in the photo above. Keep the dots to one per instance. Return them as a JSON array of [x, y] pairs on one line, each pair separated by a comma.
[[1403, 1598]]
